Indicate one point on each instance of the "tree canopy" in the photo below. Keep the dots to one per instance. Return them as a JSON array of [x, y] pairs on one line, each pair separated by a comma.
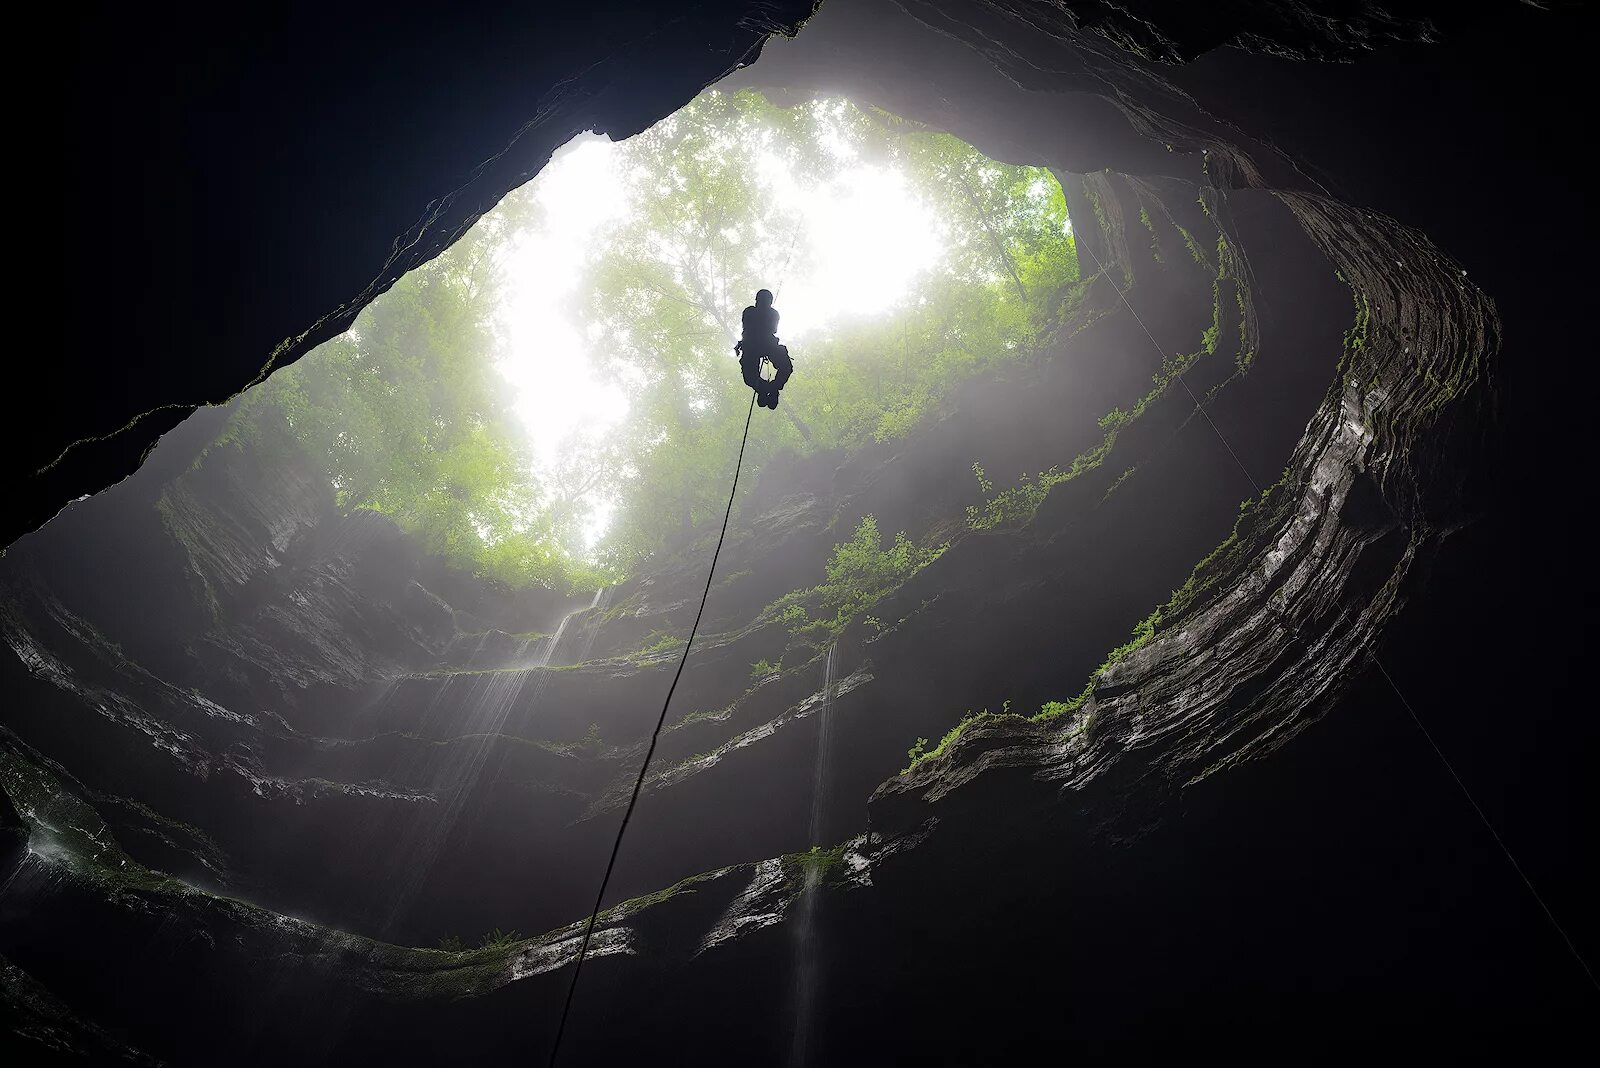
[[408, 414], [705, 231]]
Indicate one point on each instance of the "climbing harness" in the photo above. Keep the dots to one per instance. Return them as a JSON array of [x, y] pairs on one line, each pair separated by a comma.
[[1378, 663], [655, 736]]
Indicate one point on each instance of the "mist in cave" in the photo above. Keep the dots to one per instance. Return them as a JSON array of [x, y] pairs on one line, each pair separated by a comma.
[[1039, 698]]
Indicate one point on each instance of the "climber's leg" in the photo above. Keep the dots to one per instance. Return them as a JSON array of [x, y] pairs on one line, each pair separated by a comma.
[[750, 367], [783, 364]]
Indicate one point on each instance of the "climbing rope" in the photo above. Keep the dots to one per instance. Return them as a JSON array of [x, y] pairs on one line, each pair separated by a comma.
[[655, 736], [1378, 663]]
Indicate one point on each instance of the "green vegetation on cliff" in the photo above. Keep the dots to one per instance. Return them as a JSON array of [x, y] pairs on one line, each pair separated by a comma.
[[861, 572]]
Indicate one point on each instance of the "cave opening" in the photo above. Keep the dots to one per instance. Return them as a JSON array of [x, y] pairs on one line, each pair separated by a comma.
[[1034, 545], [532, 427], [547, 402], [530, 432]]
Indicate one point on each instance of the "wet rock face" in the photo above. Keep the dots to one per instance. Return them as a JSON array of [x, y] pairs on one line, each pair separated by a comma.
[[1172, 33], [338, 754]]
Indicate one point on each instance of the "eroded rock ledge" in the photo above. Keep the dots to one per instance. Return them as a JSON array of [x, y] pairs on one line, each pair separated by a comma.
[[1298, 602]]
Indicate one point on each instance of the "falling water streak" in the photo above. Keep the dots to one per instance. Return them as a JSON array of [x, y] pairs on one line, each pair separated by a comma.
[[819, 777], [5, 887], [592, 627], [547, 654], [806, 969], [486, 709]]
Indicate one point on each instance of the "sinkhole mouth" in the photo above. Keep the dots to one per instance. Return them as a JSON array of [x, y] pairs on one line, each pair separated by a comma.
[[462, 535], [553, 400]]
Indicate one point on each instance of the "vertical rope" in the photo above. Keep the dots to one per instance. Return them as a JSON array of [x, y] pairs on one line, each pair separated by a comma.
[[655, 736]]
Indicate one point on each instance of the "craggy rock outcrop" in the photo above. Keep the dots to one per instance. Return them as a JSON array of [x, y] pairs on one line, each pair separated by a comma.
[[1302, 29]]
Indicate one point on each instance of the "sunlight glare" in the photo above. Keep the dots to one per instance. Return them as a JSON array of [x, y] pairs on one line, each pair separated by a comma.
[[865, 239], [547, 362]]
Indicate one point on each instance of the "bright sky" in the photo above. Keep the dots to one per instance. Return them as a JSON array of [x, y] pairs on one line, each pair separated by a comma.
[[547, 362], [867, 240]]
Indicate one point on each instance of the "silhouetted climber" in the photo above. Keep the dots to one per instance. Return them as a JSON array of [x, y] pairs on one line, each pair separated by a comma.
[[760, 342]]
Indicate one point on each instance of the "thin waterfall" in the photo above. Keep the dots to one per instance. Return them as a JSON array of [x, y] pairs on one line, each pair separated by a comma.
[[585, 642], [592, 627], [806, 971], [819, 774], [522, 650]]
